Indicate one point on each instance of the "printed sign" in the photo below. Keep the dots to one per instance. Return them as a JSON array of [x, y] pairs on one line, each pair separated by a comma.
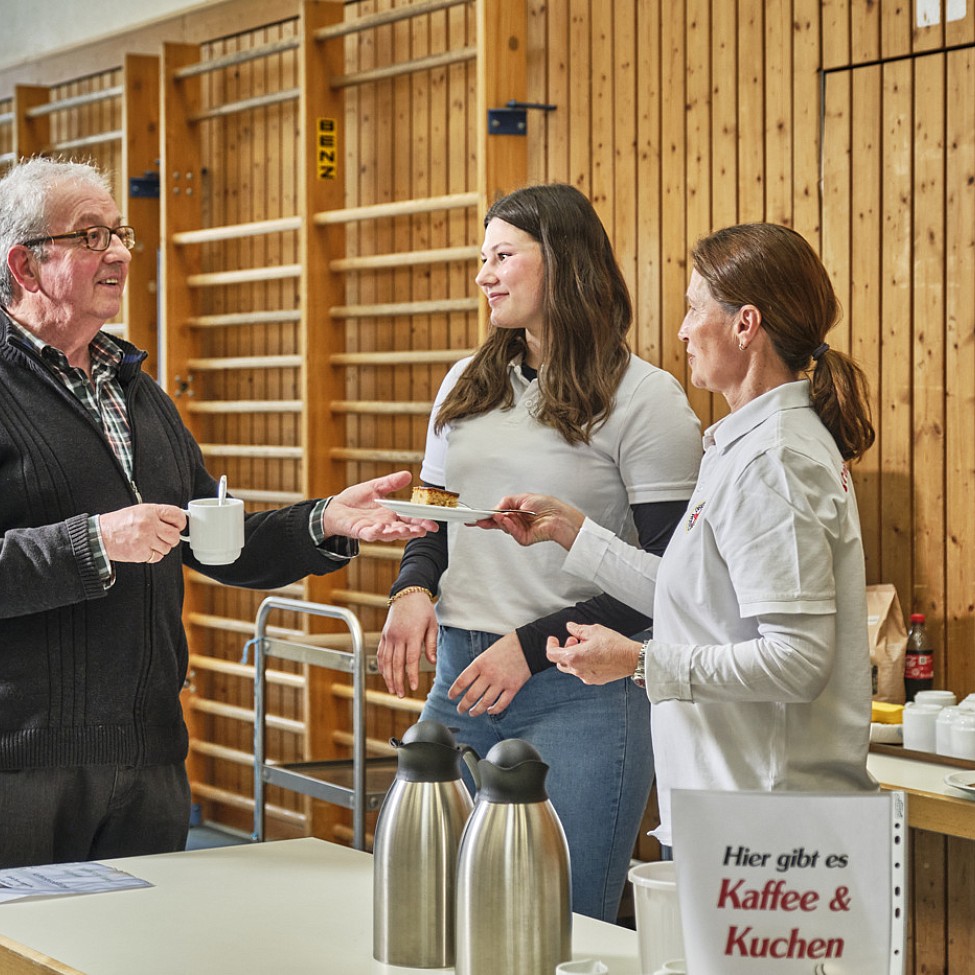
[[787, 882], [327, 148]]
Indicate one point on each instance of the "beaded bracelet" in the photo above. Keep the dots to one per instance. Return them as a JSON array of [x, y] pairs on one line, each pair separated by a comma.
[[408, 589]]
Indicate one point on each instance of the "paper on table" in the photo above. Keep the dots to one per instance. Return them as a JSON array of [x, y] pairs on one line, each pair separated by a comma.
[[64, 878]]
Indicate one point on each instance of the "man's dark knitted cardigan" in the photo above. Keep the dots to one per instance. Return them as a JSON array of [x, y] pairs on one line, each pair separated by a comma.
[[89, 675]]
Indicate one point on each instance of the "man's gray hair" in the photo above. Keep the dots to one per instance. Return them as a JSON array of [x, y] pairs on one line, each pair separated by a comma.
[[25, 193]]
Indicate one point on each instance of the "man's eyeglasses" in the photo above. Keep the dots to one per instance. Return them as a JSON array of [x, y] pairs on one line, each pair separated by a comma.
[[94, 238]]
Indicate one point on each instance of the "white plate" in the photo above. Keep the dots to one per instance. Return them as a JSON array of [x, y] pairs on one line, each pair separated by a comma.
[[434, 512], [962, 780]]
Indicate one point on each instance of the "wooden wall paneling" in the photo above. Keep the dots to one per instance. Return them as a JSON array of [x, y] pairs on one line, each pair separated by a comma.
[[961, 904], [960, 370], [140, 157], [751, 111], [32, 136], [647, 340], [623, 189], [896, 26], [700, 160], [863, 311], [501, 77], [835, 27], [545, 80], [367, 111], [322, 188], [779, 135], [675, 269], [928, 929], [807, 99], [961, 31], [893, 392], [605, 109], [579, 103], [930, 37], [928, 348], [837, 196], [179, 211], [724, 115], [865, 21], [549, 78]]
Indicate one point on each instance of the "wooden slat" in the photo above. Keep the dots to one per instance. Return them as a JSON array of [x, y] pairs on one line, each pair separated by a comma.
[[371, 21], [434, 256], [404, 67], [382, 406], [894, 392], [254, 228], [929, 462], [960, 369], [377, 211], [864, 299], [228, 798], [445, 305], [212, 279]]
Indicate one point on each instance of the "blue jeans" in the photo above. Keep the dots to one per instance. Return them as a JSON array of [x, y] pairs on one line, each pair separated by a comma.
[[596, 742]]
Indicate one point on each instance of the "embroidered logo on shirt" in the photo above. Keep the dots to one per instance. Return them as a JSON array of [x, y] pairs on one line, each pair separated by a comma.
[[693, 516]]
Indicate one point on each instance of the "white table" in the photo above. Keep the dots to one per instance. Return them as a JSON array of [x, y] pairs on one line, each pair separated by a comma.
[[294, 906], [931, 805]]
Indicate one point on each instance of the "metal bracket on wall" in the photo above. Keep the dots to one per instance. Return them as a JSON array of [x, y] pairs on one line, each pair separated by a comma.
[[146, 185], [513, 120]]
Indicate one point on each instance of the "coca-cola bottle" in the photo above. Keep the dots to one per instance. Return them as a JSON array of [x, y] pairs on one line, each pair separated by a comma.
[[919, 659]]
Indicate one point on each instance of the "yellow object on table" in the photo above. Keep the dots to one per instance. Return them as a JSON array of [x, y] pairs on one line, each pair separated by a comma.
[[884, 713]]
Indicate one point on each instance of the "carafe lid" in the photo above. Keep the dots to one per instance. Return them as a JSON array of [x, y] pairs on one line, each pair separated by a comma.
[[513, 772], [428, 752]]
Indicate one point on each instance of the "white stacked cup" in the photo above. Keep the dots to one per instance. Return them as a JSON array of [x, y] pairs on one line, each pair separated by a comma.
[[920, 724], [658, 922], [944, 745], [963, 733]]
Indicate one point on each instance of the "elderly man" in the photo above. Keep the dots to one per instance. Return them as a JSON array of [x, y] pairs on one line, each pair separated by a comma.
[[96, 468]]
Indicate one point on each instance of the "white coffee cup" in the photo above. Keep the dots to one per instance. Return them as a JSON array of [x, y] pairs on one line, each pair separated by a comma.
[[216, 529], [675, 967], [943, 736], [587, 966], [944, 699], [920, 724], [963, 734]]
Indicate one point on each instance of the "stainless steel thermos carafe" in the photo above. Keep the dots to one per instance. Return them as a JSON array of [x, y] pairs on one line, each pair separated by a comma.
[[514, 908], [415, 851]]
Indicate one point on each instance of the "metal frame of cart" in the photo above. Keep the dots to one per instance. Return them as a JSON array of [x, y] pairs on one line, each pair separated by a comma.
[[359, 784]]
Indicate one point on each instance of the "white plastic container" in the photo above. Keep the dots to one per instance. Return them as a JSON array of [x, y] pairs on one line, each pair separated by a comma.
[[944, 699], [658, 924], [675, 967], [963, 734], [920, 723], [943, 737]]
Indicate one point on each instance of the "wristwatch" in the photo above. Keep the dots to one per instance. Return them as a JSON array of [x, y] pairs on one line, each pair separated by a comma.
[[639, 676]]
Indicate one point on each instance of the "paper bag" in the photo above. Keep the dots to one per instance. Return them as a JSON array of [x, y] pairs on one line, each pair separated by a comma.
[[888, 642]]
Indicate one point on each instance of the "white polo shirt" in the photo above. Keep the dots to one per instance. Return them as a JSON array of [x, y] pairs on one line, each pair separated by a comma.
[[759, 669], [648, 450]]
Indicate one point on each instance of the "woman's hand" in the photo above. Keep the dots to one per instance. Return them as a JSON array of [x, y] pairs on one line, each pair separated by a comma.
[[410, 630], [490, 683], [595, 654], [552, 520]]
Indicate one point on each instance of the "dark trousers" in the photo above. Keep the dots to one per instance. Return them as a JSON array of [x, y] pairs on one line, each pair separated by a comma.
[[66, 815]]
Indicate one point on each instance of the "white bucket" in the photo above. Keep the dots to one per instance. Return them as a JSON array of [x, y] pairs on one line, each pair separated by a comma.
[[657, 914]]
